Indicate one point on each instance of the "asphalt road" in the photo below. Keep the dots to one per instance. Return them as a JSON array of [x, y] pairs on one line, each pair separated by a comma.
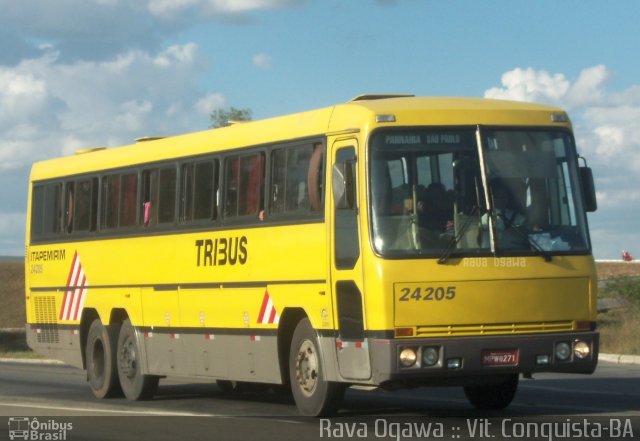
[[58, 395]]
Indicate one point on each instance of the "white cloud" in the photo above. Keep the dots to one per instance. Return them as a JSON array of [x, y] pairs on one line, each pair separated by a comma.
[[214, 7], [48, 107], [177, 54], [530, 85], [98, 29], [262, 61], [209, 103], [540, 86]]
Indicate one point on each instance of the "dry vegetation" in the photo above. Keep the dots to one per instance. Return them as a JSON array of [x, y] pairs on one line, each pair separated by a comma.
[[619, 327], [12, 312]]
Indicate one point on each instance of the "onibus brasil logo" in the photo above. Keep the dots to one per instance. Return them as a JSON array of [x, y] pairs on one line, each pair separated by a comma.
[[32, 429]]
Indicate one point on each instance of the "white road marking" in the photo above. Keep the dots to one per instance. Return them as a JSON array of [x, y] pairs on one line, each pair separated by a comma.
[[110, 411]]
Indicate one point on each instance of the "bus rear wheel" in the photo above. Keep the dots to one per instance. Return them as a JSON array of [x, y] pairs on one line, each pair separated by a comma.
[[100, 359], [135, 385], [314, 396], [493, 396]]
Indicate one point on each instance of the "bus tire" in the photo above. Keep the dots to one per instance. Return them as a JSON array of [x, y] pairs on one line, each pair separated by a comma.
[[314, 396], [100, 359], [493, 396], [135, 385]]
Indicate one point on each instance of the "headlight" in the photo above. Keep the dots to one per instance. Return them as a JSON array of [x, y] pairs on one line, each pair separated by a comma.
[[430, 356], [563, 351], [581, 349], [408, 357]]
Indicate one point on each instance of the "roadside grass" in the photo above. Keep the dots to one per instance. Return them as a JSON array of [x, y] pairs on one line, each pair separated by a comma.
[[620, 326], [14, 345], [620, 331]]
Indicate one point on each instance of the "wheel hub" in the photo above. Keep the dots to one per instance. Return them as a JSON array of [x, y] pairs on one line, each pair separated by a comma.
[[128, 359], [307, 368]]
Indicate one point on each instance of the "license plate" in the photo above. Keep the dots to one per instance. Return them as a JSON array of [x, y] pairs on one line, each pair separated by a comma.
[[507, 357]]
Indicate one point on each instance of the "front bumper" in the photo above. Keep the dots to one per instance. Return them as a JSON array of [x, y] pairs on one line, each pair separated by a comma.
[[531, 350]]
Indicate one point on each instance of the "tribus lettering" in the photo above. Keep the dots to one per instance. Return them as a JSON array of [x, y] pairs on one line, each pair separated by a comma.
[[221, 251]]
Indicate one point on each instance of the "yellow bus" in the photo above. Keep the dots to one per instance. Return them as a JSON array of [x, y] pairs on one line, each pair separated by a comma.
[[391, 241]]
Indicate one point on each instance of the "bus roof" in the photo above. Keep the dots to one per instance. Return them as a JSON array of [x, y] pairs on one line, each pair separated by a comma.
[[355, 115]]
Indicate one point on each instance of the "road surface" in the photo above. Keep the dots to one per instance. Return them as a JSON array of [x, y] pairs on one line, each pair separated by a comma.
[[606, 403]]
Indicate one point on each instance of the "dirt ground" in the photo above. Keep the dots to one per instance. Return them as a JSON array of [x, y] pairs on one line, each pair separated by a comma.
[[615, 269], [12, 310]]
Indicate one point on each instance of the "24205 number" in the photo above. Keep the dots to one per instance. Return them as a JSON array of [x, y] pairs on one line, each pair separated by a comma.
[[436, 293]]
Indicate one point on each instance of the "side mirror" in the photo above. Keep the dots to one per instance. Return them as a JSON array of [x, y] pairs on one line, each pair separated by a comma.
[[343, 185], [588, 189]]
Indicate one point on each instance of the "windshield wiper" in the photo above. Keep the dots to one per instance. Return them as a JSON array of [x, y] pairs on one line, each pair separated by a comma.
[[535, 246], [455, 239]]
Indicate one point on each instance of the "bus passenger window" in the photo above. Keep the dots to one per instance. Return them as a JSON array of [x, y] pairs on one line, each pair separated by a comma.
[[199, 191], [296, 179], [69, 200], [149, 197], [186, 193], [167, 195], [83, 200], [205, 190], [52, 209], [110, 201], [128, 200], [314, 177], [244, 183], [46, 211]]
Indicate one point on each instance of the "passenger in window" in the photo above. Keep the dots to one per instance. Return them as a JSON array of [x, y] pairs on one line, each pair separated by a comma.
[[434, 208], [507, 216], [510, 223], [435, 213], [146, 209]]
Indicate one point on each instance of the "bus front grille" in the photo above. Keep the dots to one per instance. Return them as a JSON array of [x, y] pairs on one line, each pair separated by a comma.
[[493, 329]]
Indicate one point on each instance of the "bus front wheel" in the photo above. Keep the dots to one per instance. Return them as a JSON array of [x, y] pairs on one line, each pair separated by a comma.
[[100, 359], [135, 385], [493, 396], [314, 396]]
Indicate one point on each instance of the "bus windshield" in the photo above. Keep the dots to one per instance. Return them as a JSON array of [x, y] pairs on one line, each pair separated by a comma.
[[437, 191]]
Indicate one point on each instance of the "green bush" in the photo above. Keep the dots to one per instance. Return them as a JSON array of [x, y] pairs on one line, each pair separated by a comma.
[[627, 287]]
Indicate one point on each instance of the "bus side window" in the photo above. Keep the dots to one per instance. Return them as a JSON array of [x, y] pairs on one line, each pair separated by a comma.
[[244, 184], [205, 190], [296, 179], [128, 200], [69, 206], [149, 211], [186, 192], [85, 208], [198, 192], [314, 177], [110, 201], [167, 195], [46, 211]]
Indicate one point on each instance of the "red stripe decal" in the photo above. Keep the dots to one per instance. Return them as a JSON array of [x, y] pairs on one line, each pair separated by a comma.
[[65, 299], [272, 317], [76, 305], [265, 301]]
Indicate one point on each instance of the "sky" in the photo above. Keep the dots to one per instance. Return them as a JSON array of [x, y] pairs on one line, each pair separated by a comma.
[[84, 73]]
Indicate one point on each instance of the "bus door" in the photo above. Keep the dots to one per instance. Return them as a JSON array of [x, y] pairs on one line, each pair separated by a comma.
[[346, 263]]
